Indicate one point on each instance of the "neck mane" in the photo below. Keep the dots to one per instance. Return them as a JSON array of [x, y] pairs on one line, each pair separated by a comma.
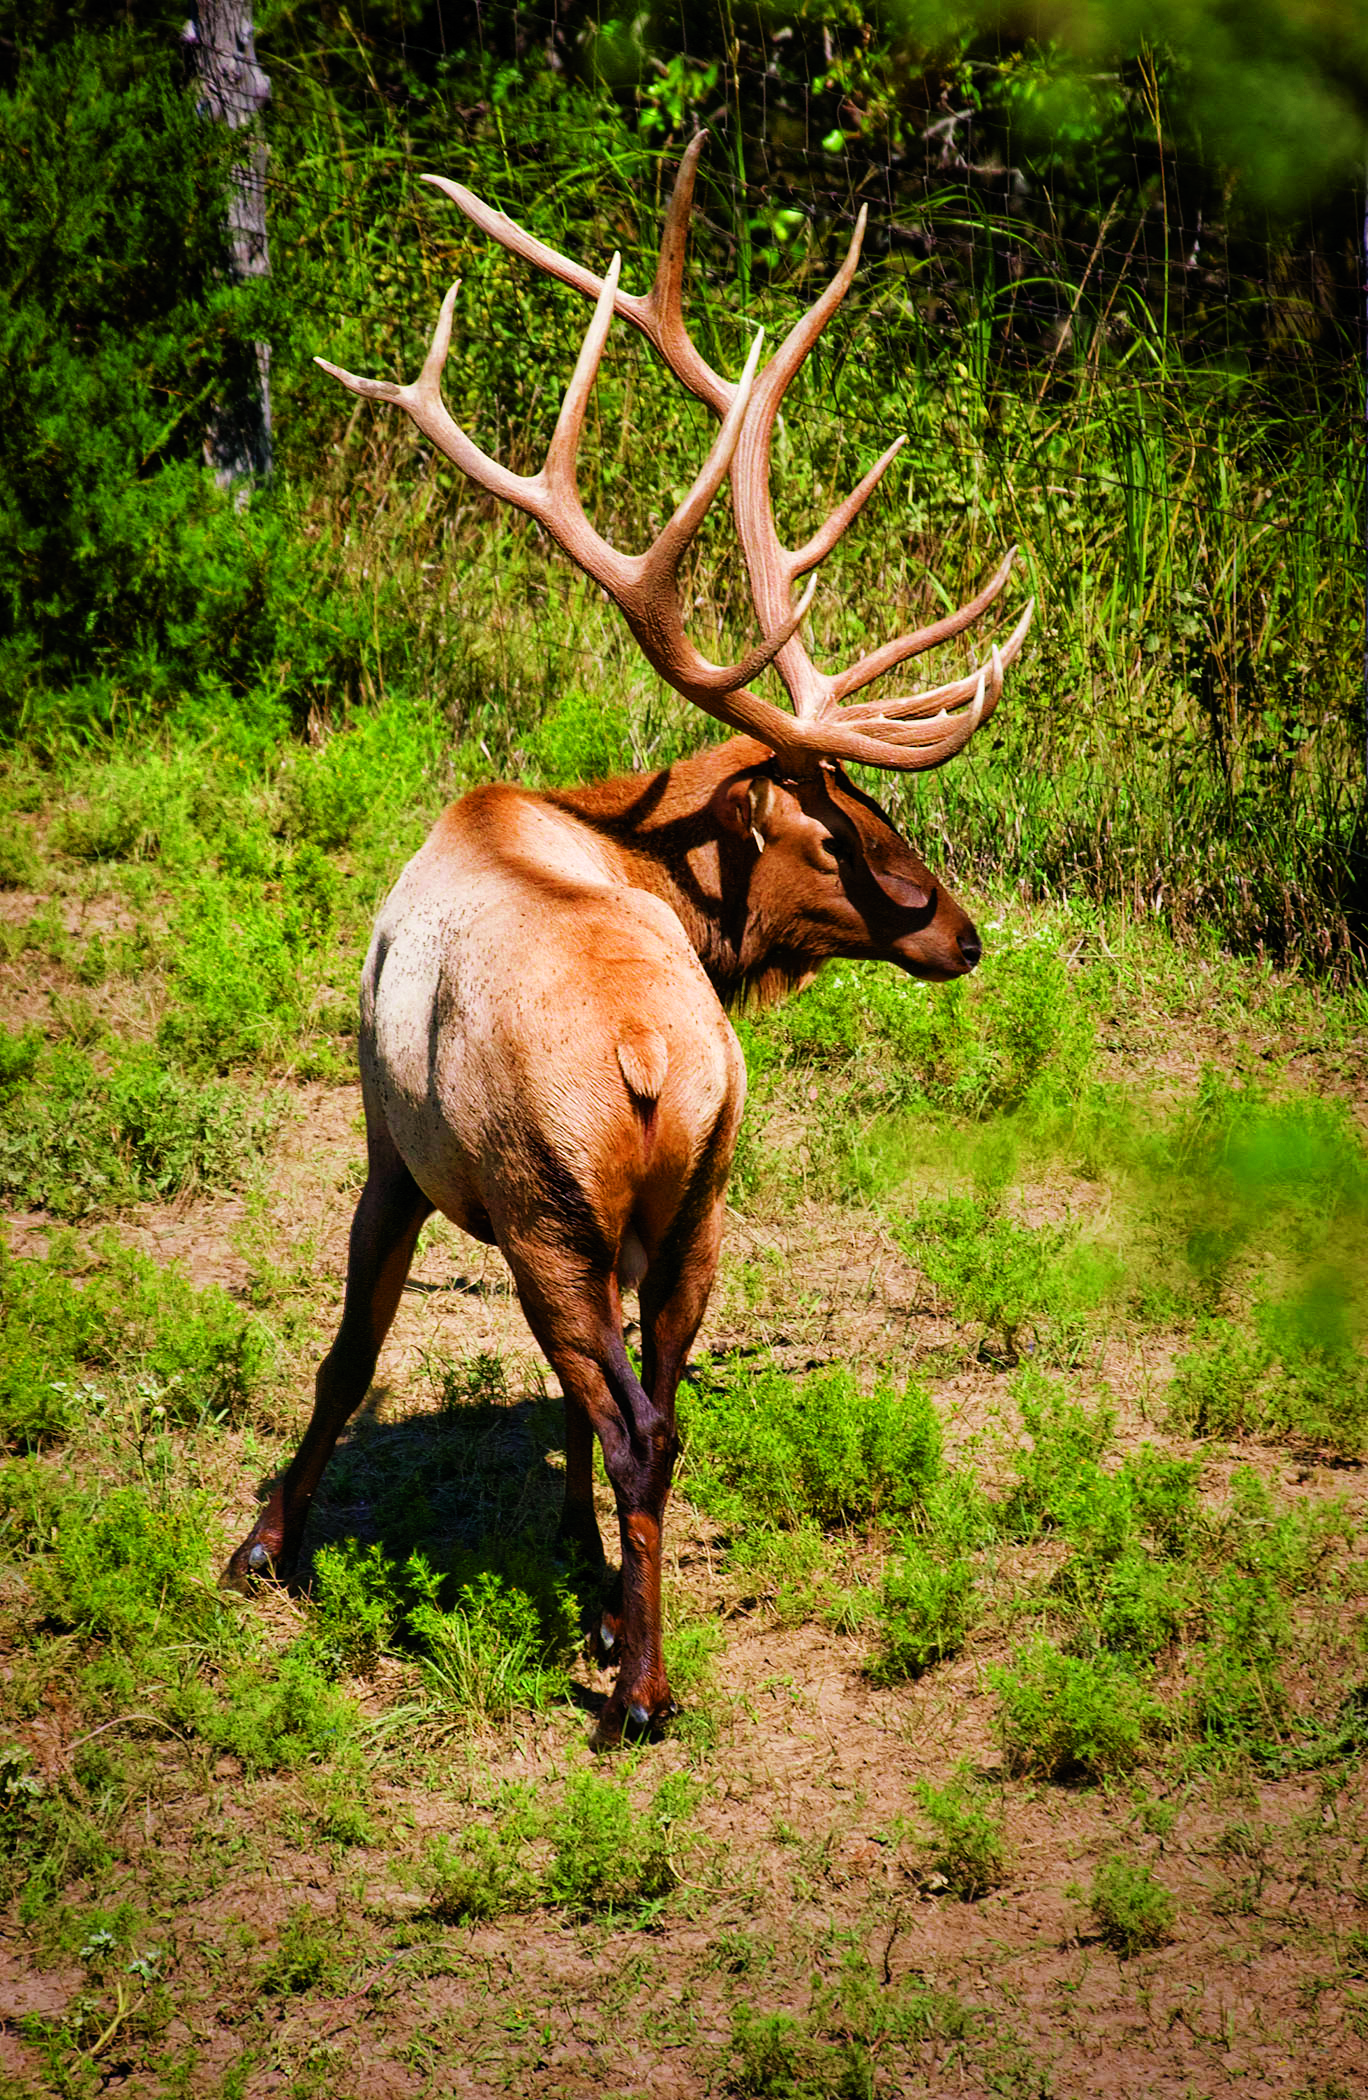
[[669, 842]]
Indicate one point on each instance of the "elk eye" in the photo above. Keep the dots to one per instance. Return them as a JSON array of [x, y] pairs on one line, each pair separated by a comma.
[[837, 849]]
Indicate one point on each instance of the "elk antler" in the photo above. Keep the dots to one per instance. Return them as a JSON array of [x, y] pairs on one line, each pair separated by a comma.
[[894, 734], [645, 586]]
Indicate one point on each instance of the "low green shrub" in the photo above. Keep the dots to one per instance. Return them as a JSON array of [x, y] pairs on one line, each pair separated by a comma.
[[273, 1714], [77, 1138], [1239, 1695], [925, 1610], [607, 1855], [763, 1447], [1133, 1910], [1044, 1282], [129, 1566], [583, 737], [1144, 1605], [967, 1846], [307, 1957], [504, 1642], [1066, 1716], [125, 1322], [244, 977], [484, 1870], [1059, 1483], [356, 1600], [1299, 1376]]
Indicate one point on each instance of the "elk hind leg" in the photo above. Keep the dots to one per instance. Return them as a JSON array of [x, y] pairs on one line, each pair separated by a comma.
[[674, 1298], [384, 1233], [574, 1311]]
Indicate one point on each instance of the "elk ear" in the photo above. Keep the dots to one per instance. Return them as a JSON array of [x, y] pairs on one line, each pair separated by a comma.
[[741, 805]]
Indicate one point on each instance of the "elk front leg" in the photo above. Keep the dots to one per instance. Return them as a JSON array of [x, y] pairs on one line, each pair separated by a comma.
[[384, 1232]]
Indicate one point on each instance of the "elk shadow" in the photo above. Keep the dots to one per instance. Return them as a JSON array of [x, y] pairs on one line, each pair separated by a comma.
[[473, 1488]]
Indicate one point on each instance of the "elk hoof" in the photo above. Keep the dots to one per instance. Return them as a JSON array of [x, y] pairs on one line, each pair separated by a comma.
[[252, 1564]]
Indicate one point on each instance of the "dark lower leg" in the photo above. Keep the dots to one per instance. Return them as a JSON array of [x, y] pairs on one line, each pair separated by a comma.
[[577, 1321], [384, 1233]]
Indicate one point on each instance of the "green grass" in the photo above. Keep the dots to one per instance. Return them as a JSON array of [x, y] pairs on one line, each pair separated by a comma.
[[82, 1135], [762, 1446], [1065, 1716], [97, 1327], [966, 1846]]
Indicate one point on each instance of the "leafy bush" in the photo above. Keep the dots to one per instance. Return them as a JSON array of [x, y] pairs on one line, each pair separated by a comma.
[[483, 1871], [504, 1643], [1059, 1481], [607, 1855], [272, 1715], [1216, 1385], [925, 1610], [1132, 1909], [355, 1602], [1239, 1693], [760, 1446], [243, 977], [584, 737], [1015, 1279], [967, 1846], [126, 1566], [1143, 1605], [1064, 1716]]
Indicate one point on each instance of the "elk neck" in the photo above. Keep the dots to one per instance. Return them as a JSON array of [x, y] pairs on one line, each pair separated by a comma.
[[667, 840]]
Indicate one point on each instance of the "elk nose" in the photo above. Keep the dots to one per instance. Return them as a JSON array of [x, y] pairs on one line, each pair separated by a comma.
[[970, 946]]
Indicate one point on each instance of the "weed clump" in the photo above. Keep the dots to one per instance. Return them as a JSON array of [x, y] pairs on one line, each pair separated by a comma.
[[761, 1447], [1072, 1717], [926, 1607], [484, 1871], [78, 1324], [1132, 1910], [78, 1139], [967, 1846], [1042, 1283], [126, 1566], [607, 1855], [1299, 1377], [488, 1639], [272, 1715], [504, 1643], [354, 1604]]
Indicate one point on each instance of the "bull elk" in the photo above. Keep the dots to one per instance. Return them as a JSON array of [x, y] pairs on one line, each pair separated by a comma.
[[545, 1053]]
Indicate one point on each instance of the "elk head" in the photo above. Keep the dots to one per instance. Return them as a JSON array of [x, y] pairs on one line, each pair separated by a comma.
[[824, 873]]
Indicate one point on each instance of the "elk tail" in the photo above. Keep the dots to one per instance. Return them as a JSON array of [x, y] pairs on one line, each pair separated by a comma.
[[644, 1057]]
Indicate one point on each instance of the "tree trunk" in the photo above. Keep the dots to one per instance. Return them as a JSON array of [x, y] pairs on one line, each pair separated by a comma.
[[233, 90]]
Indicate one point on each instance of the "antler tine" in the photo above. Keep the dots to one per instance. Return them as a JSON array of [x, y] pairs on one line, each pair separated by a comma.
[[660, 314], [931, 701], [917, 640]]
